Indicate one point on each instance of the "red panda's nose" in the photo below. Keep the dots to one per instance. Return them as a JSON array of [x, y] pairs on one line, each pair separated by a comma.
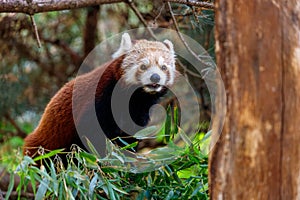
[[155, 78]]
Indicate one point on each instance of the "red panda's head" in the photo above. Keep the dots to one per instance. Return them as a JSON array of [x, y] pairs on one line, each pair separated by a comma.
[[148, 63]]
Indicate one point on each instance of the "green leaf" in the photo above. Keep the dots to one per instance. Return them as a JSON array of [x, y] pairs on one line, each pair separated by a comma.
[[32, 180], [196, 190], [129, 146], [170, 195], [161, 134], [70, 195], [207, 135], [110, 191], [60, 192], [175, 127], [168, 124], [92, 148], [89, 157], [92, 185], [10, 186], [43, 187], [54, 178], [118, 189], [184, 137], [119, 157], [146, 132], [48, 155], [141, 196]]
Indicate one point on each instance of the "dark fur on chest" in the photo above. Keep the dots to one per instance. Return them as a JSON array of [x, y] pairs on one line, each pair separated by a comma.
[[130, 111]]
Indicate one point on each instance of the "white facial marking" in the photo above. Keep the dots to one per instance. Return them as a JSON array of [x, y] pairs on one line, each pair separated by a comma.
[[154, 55], [145, 61], [145, 77], [130, 75], [161, 60]]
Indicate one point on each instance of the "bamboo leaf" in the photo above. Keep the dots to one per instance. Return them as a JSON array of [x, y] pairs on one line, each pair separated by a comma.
[[48, 155], [146, 132], [43, 187], [10, 186], [168, 124], [129, 146], [92, 185], [92, 148], [176, 122]]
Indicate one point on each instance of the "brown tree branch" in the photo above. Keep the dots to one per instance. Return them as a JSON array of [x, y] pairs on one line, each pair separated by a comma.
[[90, 32], [206, 5], [159, 13], [38, 6], [141, 18], [181, 37], [36, 33]]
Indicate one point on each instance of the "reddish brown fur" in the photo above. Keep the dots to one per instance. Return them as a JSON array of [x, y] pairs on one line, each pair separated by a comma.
[[56, 129]]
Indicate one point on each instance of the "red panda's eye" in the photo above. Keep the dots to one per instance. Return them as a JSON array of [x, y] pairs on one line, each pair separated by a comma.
[[143, 67], [164, 67]]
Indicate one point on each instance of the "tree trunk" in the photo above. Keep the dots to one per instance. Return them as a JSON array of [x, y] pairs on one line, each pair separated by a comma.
[[258, 53]]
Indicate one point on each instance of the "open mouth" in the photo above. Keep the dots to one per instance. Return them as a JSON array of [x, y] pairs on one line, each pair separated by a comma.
[[153, 86]]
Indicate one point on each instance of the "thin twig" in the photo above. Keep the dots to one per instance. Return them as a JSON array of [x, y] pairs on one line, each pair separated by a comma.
[[206, 5], [160, 11], [141, 18], [36, 33], [194, 14], [186, 70], [181, 37], [90, 31]]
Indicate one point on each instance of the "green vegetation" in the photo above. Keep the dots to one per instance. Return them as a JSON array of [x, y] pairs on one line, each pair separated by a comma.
[[30, 76], [86, 176], [89, 178]]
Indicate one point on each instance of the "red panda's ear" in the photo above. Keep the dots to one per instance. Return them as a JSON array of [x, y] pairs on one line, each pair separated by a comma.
[[169, 44], [125, 46]]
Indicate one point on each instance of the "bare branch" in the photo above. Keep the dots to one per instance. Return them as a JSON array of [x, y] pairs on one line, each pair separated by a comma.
[[181, 37], [160, 11], [90, 32], [141, 18], [36, 33], [206, 5], [38, 6]]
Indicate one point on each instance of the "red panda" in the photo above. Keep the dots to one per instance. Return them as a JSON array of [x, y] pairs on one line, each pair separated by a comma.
[[146, 65]]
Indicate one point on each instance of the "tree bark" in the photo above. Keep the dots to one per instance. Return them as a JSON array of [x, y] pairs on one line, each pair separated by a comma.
[[290, 155], [258, 52]]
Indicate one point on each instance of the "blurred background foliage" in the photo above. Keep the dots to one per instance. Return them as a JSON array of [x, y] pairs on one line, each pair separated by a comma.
[[30, 76]]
